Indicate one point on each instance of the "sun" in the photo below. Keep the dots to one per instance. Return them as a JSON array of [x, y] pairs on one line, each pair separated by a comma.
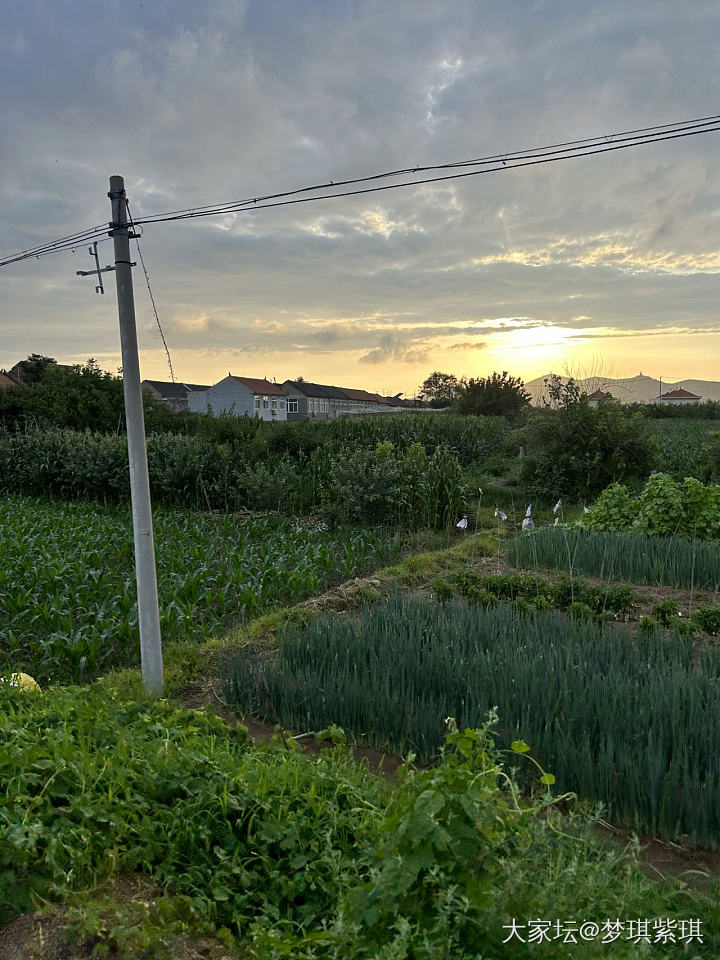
[[532, 350]]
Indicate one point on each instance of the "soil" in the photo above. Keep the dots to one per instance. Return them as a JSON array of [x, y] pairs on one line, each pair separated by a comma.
[[44, 935]]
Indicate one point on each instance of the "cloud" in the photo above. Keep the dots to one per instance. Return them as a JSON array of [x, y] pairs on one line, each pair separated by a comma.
[[203, 103], [466, 345]]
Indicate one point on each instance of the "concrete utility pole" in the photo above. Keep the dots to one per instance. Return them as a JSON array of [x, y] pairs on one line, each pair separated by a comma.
[[145, 575]]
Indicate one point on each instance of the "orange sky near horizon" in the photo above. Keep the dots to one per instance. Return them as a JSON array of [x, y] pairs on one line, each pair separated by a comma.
[[529, 354]]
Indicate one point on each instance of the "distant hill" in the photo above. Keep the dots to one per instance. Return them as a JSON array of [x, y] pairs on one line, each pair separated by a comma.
[[639, 389]]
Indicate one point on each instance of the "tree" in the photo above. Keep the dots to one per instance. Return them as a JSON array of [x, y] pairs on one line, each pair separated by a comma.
[[498, 395], [441, 389], [80, 397], [576, 450], [32, 369]]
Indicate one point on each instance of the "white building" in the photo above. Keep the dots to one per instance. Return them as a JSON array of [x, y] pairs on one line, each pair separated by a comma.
[[241, 396], [678, 397]]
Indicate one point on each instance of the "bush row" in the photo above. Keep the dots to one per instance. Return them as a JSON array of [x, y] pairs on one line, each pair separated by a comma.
[[663, 507], [376, 484]]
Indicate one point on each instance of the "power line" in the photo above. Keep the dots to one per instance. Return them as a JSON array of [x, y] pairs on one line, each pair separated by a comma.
[[258, 205], [490, 164], [152, 298], [98, 234], [536, 152]]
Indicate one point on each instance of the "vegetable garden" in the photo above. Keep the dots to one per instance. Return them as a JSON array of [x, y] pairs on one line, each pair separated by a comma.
[[634, 725], [284, 855]]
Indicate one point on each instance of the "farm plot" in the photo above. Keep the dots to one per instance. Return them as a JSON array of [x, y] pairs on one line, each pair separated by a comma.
[[638, 558], [632, 723], [67, 582], [681, 444]]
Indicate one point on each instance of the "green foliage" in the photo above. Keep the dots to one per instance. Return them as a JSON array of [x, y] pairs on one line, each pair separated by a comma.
[[686, 446], [663, 507], [440, 388], [564, 593], [443, 589], [117, 787], [388, 482], [666, 611], [394, 673], [382, 486], [498, 395], [81, 398], [710, 457], [297, 856], [576, 450], [707, 618], [67, 581], [614, 509], [637, 558], [687, 413]]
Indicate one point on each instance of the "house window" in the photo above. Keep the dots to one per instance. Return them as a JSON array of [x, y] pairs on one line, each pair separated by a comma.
[[292, 405], [273, 404], [257, 403], [324, 406], [265, 403]]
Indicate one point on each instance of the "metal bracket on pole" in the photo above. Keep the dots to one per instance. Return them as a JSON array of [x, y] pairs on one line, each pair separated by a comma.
[[98, 269]]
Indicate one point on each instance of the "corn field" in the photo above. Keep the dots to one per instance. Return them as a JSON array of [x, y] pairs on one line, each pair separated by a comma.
[[67, 581], [375, 484], [681, 445]]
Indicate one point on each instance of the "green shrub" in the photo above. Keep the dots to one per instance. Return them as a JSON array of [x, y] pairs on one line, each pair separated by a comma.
[[613, 510], [707, 618], [575, 450], [664, 507], [443, 589], [666, 611]]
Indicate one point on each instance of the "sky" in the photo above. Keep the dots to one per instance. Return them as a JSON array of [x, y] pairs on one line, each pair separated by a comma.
[[597, 265]]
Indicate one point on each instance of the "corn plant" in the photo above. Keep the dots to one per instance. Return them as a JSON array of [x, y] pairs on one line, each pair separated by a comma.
[[67, 582]]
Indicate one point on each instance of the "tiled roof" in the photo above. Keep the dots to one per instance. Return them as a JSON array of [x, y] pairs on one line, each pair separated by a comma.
[[323, 390], [261, 386], [679, 394], [601, 395], [361, 395], [7, 381], [174, 391]]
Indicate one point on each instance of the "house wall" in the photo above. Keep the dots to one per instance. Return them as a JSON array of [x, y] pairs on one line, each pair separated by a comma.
[[302, 407], [229, 396]]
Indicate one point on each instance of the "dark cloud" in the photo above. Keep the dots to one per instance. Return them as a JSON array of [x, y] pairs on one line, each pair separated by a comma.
[[200, 103], [467, 345]]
